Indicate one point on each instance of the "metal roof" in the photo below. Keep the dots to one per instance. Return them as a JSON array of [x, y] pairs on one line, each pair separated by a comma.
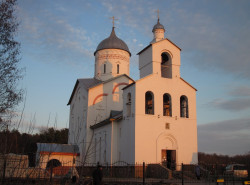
[[114, 116], [54, 147], [156, 43], [158, 26], [112, 42], [85, 82], [89, 82]]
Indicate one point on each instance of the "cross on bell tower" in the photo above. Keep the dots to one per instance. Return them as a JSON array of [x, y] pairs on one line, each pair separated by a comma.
[[158, 29], [158, 14], [113, 21]]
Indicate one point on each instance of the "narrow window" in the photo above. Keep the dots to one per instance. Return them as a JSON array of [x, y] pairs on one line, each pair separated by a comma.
[[95, 150], [104, 68], [184, 107], [149, 103], [128, 104], [100, 149], [118, 69], [105, 143], [167, 106]]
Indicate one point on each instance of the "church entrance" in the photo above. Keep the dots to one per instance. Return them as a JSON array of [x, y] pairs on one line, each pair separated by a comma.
[[168, 158]]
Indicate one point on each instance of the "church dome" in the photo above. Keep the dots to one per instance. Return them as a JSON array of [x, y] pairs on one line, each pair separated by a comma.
[[112, 42], [158, 26]]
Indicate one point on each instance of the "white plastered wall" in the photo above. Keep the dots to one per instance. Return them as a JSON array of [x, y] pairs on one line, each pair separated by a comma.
[[150, 58], [127, 139], [145, 62], [151, 135], [78, 119], [174, 52], [65, 160], [111, 58], [101, 100]]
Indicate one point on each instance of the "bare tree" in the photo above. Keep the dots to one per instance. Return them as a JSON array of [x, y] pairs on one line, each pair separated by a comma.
[[10, 73]]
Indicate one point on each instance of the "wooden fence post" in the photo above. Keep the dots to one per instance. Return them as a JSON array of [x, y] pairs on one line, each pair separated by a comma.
[[4, 169], [143, 173], [182, 174]]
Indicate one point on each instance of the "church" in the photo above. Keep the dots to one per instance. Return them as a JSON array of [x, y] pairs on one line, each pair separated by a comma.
[[153, 119]]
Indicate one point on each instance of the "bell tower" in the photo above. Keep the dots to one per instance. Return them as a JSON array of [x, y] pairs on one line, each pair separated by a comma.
[[161, 56]]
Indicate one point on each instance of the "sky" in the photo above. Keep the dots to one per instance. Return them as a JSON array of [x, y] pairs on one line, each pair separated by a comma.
[[58, 39]]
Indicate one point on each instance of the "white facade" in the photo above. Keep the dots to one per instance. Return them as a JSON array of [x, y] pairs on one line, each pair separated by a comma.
[[114, 118]]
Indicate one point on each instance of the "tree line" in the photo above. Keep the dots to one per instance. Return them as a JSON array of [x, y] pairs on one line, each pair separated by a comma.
[[23, 143], [223, 159]]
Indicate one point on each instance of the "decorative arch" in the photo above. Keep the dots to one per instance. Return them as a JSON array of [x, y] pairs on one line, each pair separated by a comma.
[[165, 141], [117, 85], [170, 137], [169, 52], [98, 96]]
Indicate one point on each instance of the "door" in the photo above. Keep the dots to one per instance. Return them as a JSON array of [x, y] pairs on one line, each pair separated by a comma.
[[169, 158]]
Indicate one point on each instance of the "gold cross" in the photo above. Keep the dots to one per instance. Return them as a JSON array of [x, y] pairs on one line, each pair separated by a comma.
[[158, 13], [113, 21]]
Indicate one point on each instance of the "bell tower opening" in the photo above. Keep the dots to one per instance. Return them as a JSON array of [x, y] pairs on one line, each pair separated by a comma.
[[166, 67]]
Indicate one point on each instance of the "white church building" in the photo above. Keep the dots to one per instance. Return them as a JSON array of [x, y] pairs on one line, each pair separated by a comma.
[[153, 119]]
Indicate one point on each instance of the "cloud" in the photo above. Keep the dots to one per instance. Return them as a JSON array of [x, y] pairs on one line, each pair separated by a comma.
[[216, 35], [132, 13], [235, 104], [226, 137], [134, 40], [238, 99], [213, 40], [55, 39], [240, 91]]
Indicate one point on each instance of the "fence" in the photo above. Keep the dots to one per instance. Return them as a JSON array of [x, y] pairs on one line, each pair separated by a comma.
[[17, 171]]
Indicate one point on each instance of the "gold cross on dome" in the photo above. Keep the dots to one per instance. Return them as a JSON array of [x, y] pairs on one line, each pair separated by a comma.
[[158, 13], [113, 21]]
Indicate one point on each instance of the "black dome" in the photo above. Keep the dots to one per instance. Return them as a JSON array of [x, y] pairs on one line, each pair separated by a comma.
[[158, 26], [112, 42]]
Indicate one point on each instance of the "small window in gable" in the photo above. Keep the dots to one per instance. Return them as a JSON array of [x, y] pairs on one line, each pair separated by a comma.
[[149, 103], [104, 68], [167, 105], [128, 104], [184, 107]]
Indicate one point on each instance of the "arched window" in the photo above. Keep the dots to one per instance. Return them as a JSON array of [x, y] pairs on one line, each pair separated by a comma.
[[104, 68], [184, 106], [128, 104], [118, 69], [167, 105], [149, 103], [166, 70], [53, 163]]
